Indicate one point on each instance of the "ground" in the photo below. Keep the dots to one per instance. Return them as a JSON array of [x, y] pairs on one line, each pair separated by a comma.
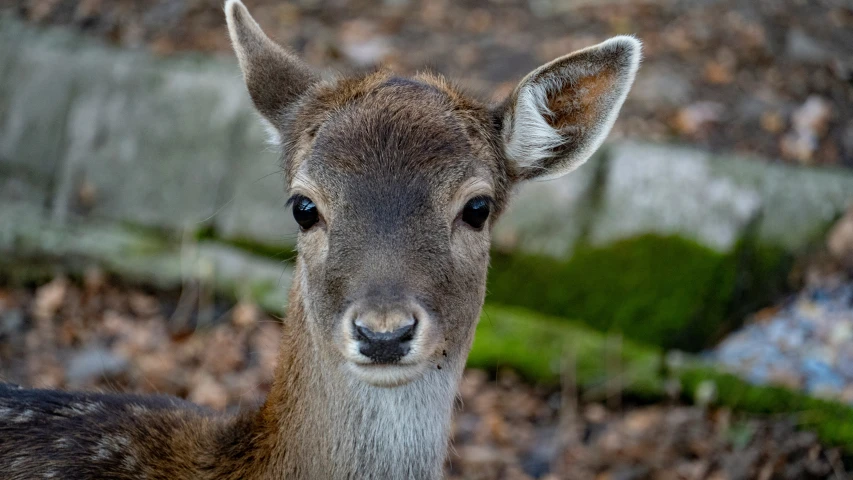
[[771, 77], [95, 334]]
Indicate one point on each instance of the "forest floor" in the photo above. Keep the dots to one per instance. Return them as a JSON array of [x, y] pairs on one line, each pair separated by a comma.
[[95, 334], [770, 77]]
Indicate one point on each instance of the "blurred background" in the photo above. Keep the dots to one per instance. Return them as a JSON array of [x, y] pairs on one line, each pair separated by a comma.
[[679, 308]]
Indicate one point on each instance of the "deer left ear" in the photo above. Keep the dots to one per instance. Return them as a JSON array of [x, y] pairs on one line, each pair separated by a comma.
[[274, 76], [561, 112]]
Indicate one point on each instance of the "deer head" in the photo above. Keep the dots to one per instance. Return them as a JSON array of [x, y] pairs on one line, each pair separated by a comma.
[[396, 183]]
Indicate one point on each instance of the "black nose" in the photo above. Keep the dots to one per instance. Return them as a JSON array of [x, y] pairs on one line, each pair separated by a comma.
[[384, 347]]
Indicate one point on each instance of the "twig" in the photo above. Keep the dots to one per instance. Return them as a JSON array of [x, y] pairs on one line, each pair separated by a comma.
[[613, 366]]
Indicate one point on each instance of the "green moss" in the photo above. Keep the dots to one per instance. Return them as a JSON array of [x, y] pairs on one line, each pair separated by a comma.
[[536, 346], [833, 422], [761, 278], [664, 291], [141, 239], [268, 295], [32, 272], [281, 252]]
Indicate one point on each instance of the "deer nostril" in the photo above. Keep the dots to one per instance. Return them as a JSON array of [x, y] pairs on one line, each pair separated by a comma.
[[384, 347], [401, 334]]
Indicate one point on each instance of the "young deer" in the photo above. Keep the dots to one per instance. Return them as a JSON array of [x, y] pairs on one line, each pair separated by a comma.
[[395, 183]]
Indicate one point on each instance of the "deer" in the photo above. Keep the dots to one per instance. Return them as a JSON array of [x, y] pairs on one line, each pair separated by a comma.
[[395, 183]]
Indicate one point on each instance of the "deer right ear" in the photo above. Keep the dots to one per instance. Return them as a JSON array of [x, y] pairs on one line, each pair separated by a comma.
[[275, 77], [562, 111]]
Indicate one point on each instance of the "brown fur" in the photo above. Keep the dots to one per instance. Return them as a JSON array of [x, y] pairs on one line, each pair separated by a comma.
[[390, 163]]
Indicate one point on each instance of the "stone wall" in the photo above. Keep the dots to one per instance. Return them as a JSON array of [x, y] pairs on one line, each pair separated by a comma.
[[631, 189], [89, 132]]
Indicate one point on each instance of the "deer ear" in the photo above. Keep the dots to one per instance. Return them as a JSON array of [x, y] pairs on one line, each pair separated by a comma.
[[561, 112], [275, 77]]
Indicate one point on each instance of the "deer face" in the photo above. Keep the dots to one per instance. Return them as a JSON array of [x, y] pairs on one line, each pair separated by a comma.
[[396, 183], [394, 193]]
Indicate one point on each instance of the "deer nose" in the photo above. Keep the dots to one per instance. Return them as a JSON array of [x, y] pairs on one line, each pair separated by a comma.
[[385, 347]]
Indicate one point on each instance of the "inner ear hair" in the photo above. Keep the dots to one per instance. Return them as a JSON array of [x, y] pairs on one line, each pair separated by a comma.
[[274, 76], [561, 112]]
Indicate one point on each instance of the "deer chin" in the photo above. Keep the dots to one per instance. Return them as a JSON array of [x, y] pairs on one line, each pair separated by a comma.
[[387, 375]]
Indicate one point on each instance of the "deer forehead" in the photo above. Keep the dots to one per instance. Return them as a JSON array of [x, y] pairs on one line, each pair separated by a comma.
[[385, 135]]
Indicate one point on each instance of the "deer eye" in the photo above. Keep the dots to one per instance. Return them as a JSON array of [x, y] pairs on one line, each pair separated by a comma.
[[305, 212], [476, 212]]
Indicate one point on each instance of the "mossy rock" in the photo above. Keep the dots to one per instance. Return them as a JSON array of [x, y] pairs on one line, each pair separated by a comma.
[[663, 291], [659, 290], [537, 347], [278, 252], [761, 279]]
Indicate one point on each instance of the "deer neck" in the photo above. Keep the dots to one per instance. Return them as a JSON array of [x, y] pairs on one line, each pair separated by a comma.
[[321, 422]]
